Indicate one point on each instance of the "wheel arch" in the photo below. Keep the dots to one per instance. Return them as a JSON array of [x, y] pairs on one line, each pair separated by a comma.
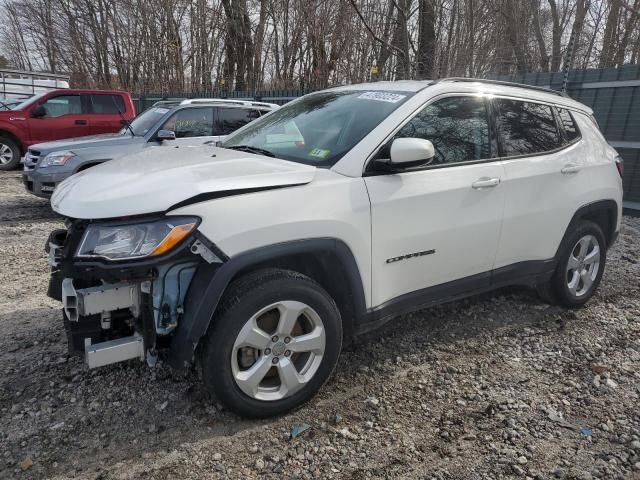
[[11, 136], [328, 261], [603, 212]]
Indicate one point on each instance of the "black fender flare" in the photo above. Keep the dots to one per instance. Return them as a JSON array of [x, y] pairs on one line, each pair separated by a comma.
[[211, 281]]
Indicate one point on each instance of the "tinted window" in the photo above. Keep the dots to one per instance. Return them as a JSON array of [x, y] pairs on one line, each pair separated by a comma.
[[107, 104], [458, 127], [526, 127], [191, 122], [229, 120], [568, 124], [63, 105]]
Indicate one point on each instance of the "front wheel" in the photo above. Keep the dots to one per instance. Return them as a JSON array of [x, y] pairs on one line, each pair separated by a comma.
[[273, 343], [9, 154], [581, 263]]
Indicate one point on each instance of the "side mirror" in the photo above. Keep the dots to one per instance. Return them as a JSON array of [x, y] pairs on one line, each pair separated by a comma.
[[165, 135], [38, 111], [407, 153]]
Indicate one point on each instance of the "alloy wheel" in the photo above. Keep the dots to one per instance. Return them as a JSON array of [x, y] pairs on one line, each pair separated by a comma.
[[6, 154], [278, 350], [583, 265]]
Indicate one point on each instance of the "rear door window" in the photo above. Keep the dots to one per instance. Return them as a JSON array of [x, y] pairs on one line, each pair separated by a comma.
[[103, 104], [191, 122], [229, 120], [526, 128], [568, 124]]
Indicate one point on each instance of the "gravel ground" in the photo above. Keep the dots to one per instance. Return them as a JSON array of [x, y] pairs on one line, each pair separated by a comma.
[[497, 386]]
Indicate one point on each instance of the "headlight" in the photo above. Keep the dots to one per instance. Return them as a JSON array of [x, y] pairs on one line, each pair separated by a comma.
[[136, 240], [56, 159]]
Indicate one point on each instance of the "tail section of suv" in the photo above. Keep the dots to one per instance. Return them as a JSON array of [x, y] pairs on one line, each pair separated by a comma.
[[175, 124], [59, 114], [325, 219]]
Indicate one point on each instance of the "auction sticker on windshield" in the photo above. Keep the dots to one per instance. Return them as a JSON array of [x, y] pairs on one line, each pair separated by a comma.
[[382, 96], [319, 153]]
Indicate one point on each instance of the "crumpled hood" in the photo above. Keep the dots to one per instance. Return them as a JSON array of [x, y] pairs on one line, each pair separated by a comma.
[[92, 141], [154, 180]]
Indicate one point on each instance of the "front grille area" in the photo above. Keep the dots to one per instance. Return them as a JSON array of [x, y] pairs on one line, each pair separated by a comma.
[[31, 159]]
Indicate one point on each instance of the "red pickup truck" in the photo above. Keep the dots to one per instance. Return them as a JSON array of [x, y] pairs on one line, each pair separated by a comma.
[[59, 114]]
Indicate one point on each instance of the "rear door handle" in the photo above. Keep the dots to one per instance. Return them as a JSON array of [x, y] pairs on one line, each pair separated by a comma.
[[80, 122], [570, 168], [485, 182]]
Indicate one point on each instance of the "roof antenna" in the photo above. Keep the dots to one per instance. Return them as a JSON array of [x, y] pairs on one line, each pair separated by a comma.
[[568, 61]]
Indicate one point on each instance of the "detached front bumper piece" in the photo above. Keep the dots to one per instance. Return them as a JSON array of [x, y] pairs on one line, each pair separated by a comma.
[[104, 300], [113, 351]]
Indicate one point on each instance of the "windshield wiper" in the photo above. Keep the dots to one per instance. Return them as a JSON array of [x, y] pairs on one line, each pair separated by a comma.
[[250, 149]]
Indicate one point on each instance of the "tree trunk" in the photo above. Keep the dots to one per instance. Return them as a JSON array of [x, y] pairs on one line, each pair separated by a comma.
[[426, 40]]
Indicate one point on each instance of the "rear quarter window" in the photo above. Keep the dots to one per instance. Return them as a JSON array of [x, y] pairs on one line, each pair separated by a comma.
[[568, 124]]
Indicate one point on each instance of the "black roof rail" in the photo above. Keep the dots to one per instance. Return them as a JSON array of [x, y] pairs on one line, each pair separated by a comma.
[[503, 83]]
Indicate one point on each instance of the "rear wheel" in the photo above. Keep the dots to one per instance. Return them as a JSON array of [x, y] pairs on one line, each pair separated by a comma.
[[580, 267], [273, 344], [9, 154]]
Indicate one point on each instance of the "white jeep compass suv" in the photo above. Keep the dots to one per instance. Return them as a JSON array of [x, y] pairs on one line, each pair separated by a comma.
[[326, 218]]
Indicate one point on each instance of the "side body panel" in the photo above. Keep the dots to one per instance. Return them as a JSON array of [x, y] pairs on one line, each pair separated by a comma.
[[606, 183], [330, 206], [66, 126], [541, 201], [15, 125], [436, 215]]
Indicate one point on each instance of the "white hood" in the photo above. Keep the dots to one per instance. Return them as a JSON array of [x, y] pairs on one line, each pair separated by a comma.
[[158, 178]]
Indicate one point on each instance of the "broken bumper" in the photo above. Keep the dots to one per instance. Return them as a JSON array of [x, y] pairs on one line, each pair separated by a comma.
[[117, 312]]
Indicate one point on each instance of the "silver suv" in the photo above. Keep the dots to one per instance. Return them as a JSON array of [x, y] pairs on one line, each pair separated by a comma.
[[191, 121]]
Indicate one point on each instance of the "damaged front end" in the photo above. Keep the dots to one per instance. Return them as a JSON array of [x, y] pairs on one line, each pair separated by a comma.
[[123, 284]]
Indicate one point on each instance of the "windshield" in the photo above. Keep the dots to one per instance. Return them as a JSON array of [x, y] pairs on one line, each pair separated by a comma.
[[145, 121], [28, 101], [319, 128]]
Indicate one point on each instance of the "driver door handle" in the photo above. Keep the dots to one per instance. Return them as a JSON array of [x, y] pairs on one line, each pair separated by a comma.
[[80, 122], [485, 182], [570, 168]]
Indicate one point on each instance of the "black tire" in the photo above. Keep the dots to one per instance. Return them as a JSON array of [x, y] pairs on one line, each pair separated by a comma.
[[556, 290], [244, 298], [14, 162]]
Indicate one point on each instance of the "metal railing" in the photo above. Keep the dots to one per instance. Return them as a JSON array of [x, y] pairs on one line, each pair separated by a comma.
[[22, 84]]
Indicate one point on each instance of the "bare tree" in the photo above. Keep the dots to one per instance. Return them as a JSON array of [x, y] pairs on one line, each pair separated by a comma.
[[202, 46]]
